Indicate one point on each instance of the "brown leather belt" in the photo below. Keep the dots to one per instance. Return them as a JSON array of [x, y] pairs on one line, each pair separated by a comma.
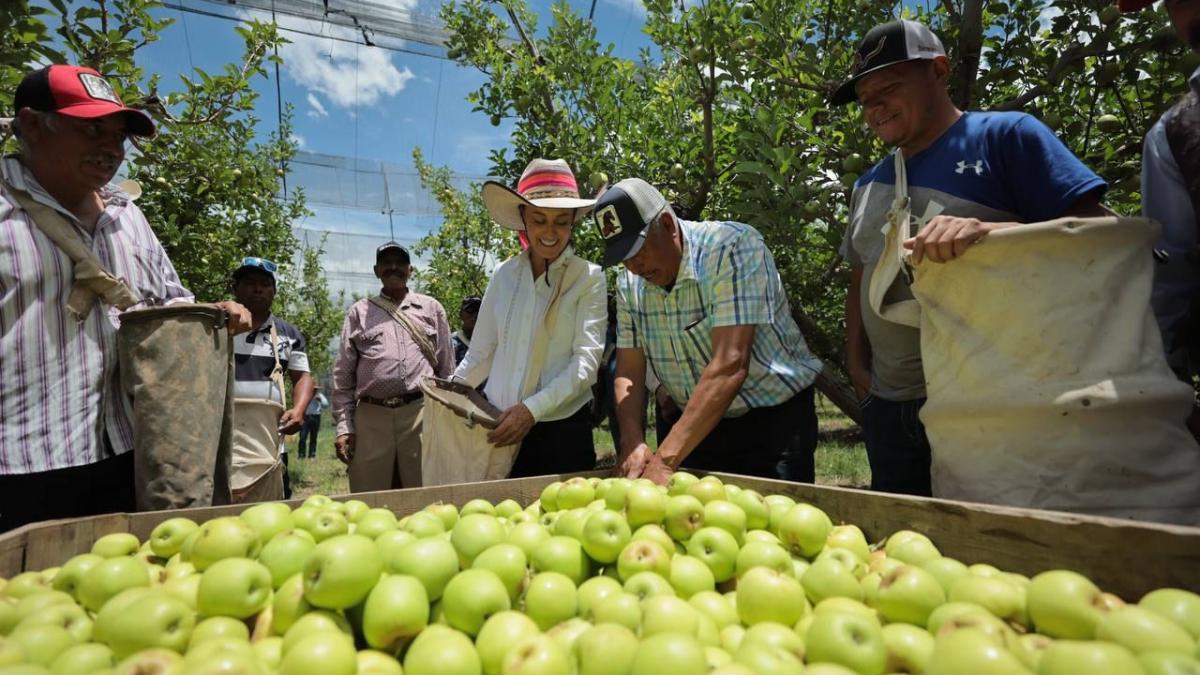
[[395, 401]]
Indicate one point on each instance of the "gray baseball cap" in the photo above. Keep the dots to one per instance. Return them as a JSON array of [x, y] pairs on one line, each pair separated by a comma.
[[622, 215], [886, 45]]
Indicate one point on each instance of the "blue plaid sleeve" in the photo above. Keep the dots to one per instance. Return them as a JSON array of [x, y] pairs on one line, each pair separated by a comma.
[[627, 335], [742, 283]]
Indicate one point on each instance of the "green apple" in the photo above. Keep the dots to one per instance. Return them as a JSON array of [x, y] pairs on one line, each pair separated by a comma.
[[318, 502], [666, 613], [471, 597], [908, 648], [909, 595], [219, 627], [575, 493], [424, 524], [717, 548], [27, 583], [614, 496], [317, 621], [234, 587], [186, 588], [851, 538], [570, 523], [622, 608], [758, 514], [605, 534], [327, 653], [116, 545], [946, 571], [1093, 658], [680, 483], [707, 489], [972, 651], [778, 506], [707, 632], [371, 662], [433, 561], [675, 653], [150, 662], [396, 610], [341, 571], [768, 660], [901, 536], [804, 530], [842, 604], [591, 592], [1028, 649], [1064, 605], [442, 651], [1167, 663], [527, 536], [285, 553], [375, 522], [915, 551], [475, 533], [658, 535], [288, 604], [447, 512], [984, 570], [154, 620], [684, 515], [507, 508], [391, 542], [549, 497], [727, 516], [508, 562], [68, 577], [1004, 599], [848, 560], [537, 655], [645, 505], [563, 555], [498, 635], [42, 643], [303, 517], [1180, 606], [956, 615], [83, 659], [219, 538], [551, 599], [268, 519], [606, 649], [269, 652], [327, 524], [70, 616], [648, 584], [850, 639], [716, 607], [829, 578], [567, 632], [762, 554], [765, 594], [32, 604], [689, 576], [1141, 630], [762, 537], [108, 578], [768, 634], [643, 556], [355, 509], [167, 538]]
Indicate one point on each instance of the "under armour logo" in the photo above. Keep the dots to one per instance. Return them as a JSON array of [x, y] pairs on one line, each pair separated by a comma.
[[963, 166]]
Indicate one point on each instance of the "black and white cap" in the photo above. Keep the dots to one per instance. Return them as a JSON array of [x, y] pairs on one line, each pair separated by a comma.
[[622, 215], [886, 45]]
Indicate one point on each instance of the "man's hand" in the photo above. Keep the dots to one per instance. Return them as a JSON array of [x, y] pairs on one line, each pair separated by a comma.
[[657, 471], [344, 446], [860, 379], [290, 422], [635, 462], [945, 238], [515, 423], [239, 317]]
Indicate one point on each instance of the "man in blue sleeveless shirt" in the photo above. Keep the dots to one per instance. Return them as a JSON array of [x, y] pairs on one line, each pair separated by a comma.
[[969, 173]]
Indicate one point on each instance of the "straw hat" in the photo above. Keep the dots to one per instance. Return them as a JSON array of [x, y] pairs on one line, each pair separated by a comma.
[[546, 184]]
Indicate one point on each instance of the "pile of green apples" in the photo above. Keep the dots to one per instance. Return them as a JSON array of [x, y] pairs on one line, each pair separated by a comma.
[[597, 577]]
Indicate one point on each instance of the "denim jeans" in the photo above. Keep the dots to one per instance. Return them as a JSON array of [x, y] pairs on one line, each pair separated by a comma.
[[897, 447], [307, 447]]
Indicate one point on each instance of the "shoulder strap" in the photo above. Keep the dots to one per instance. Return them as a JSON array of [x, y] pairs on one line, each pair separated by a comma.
[[893, 261], [1182, 124], [91, 280], [277, 372], [418, 335]]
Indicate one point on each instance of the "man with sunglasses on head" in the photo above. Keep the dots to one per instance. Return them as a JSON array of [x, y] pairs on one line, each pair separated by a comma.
[[66, 427], [261, 414]]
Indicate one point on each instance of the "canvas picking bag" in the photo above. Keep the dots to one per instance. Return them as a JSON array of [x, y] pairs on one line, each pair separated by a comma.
[[1046, 380]]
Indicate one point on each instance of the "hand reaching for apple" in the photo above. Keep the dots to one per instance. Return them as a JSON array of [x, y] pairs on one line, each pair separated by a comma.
[[635, 462], [344, 446], [657, 471]]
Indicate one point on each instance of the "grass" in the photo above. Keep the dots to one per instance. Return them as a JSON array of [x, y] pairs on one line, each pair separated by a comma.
[[840, 457]]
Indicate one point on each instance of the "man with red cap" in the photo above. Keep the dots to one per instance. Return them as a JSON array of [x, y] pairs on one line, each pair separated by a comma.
[[1171, 195], [74, 252]]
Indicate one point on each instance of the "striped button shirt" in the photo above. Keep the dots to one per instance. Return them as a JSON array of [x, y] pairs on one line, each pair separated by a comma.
[[727, 277], [59, 381]]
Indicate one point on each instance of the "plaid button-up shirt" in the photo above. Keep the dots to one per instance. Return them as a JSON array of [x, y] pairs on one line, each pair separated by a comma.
[[727, 277], [59, 381]]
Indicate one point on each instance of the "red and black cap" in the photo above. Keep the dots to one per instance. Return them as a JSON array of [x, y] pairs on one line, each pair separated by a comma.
[[77, 92], [886, 45]]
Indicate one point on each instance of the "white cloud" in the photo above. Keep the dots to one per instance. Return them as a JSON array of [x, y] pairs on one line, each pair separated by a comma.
[[1047, 15], [299, 140], [318, 110], [346, 74]]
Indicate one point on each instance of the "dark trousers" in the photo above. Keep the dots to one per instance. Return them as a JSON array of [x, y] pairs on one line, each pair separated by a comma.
[[561, 446], [897, 447], [103, 487], [287, 480], [308, 435], [775, 442]]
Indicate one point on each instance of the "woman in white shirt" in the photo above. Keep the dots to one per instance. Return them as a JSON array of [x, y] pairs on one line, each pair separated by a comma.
[[540, 331]]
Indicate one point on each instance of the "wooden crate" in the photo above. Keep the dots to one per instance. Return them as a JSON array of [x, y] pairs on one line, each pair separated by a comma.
[[1124, 557]]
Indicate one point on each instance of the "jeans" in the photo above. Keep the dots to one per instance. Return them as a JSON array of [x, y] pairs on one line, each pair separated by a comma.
[[897, 447], [308, 434], [775, 442]]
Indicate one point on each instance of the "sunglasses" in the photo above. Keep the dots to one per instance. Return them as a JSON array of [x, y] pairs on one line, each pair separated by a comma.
[[261, 263]]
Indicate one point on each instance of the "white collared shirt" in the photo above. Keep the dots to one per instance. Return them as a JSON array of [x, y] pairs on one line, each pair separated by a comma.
[[513, 309]]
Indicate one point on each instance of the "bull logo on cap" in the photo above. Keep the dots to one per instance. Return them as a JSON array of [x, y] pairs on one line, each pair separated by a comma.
[[862, 60], [610, 224]]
